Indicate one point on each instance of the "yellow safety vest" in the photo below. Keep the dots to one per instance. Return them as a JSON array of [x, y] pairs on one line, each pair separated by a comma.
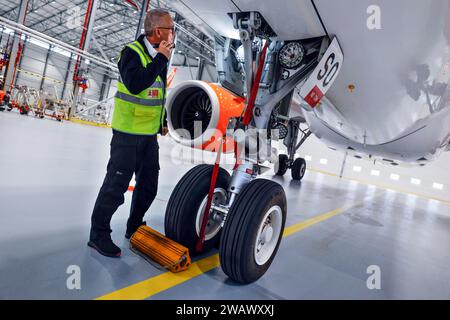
[[141, 113]]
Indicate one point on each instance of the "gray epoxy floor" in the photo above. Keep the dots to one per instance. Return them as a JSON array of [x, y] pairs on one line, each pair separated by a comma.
[[50, 174]]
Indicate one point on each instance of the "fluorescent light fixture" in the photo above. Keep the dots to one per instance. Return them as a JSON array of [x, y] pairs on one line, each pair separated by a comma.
[[323, 161], [395, 177], [357, 168], [308, 158], [438, 186], [375, 173], [416, 181]]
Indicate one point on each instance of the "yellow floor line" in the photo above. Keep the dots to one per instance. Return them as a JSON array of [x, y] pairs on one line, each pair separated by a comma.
[[89, 123], [310, 222], [162, 282], [167, 280]]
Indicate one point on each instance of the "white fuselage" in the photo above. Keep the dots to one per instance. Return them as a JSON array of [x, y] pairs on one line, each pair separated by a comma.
[[378, 105]]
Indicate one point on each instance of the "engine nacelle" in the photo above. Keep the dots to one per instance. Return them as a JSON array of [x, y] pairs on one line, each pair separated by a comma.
[[210, 106]]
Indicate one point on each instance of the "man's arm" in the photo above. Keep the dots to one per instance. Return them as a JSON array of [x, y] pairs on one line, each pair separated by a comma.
[[134, 76]]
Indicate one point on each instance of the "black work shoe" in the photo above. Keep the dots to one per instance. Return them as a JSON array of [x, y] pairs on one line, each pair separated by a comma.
[[128, 234], [106, 247]]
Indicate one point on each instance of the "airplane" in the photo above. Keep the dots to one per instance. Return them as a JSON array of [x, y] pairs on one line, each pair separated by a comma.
[[365, 77]]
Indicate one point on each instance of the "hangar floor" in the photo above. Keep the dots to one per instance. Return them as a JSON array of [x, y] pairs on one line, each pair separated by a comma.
[[50, 174]]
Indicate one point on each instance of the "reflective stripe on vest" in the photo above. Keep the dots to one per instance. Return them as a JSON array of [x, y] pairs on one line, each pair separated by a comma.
[[140, 101], [141, 113]]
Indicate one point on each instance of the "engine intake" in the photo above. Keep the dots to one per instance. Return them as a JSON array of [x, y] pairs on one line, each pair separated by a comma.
[[199, 113]]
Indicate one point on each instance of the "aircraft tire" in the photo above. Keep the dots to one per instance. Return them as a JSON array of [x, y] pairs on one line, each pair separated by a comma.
[[259, 212], [185, 207], [281, 166], [298, 169]]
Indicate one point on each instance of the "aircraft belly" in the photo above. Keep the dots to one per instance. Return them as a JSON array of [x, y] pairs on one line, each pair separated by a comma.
[[381, 64], [421, 143], [290, 19], [210, 14]]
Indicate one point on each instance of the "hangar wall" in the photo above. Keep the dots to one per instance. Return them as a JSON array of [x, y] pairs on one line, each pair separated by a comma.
[[32, 67], [432, 180]]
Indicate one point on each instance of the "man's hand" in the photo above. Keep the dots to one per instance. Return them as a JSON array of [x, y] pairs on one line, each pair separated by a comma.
[[165, 48], [165, 131]]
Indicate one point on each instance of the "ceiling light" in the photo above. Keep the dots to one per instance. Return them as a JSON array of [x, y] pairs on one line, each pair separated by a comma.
[[357, 169], [323, 161], [416, 181], [438, 186], [375, 173], [308, 158], [395, 177]]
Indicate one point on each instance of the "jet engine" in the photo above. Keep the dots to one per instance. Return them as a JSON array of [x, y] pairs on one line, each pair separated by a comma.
[[199, 113]]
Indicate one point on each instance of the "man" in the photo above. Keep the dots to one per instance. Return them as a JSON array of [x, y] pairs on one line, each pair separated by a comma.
[[139, 116]]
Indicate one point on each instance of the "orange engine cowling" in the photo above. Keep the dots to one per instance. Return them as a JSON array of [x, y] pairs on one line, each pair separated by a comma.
[[199, 113]]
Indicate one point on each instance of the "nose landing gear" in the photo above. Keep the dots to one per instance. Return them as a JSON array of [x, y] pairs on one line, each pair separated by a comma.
[[285, 162]]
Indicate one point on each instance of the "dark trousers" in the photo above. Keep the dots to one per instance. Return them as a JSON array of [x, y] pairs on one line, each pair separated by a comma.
[[129, 154]]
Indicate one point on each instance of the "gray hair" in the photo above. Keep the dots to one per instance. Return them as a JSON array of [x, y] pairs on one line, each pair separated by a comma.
[[153, 19]]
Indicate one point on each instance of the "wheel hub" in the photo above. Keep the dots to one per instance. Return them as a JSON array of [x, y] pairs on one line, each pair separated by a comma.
[[213, 225], [268, 234]]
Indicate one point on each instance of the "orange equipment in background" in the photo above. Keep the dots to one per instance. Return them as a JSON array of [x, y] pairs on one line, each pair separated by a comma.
[[3, 63], [154, 246]]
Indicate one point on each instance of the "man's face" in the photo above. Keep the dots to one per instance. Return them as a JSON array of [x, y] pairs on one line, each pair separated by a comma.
[[166, 30]]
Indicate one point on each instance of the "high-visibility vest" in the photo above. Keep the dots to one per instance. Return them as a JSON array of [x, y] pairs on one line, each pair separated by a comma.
[[141, 113]]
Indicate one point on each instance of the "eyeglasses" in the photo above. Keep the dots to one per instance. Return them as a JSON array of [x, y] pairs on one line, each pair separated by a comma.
[[172, 28]]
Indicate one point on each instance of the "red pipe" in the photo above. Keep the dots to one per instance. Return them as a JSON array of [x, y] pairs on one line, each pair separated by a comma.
[[134, 5], [16, 63], [251, 102], [83, 38], [201, 240], [19, 51]]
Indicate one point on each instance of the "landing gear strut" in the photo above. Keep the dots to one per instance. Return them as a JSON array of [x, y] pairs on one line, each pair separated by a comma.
[[285, 162], [246, 216]]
